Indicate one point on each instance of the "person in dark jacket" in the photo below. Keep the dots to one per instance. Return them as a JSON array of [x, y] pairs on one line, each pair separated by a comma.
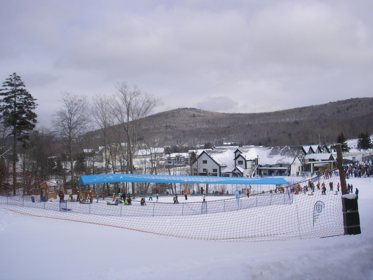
[[62, 196], [143, 201]]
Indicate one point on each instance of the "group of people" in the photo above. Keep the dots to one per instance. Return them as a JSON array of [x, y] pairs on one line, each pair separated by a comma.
[[358, 170], [320, 186], [121, 198], [151, 195]]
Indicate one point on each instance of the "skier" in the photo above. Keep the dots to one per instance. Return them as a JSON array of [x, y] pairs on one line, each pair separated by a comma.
[[186, 194], [323, 189], [204, 198], [62, 196], [248, 192], [143, 202], [175, 199], [97, 196], [33, 199], [237, 194], [151, 196], [78, 197], [157, 196]]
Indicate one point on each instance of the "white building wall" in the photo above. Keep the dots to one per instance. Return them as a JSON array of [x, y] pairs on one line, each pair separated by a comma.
[[296, 167], [209, 166]]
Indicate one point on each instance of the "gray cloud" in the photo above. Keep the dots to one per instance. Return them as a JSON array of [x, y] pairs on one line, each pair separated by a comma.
[[244, 56]]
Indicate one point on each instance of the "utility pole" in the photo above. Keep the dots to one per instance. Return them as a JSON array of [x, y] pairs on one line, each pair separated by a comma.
[[342, 174]]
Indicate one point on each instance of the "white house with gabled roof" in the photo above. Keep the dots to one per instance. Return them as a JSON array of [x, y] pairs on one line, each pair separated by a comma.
[[215, 162]]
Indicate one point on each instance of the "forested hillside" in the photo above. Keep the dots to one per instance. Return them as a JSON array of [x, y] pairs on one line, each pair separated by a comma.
[[305, 125]]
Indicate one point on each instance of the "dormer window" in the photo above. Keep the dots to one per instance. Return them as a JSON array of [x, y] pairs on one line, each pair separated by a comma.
[[240, 162]]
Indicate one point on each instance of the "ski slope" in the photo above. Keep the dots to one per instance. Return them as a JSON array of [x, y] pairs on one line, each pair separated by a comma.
[[42, 248]]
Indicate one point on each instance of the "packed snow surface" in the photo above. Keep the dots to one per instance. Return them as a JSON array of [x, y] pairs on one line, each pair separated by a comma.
[[42, 248]]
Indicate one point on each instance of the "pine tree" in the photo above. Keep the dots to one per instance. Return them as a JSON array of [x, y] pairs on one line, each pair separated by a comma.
[[17, 108], [341, 139], [364, 141]]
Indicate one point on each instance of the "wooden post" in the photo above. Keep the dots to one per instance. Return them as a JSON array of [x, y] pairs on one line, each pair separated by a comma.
[[342, 174]]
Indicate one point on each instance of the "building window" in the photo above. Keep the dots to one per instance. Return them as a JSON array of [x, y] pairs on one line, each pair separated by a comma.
[[215, 170], [240, 162], [204, 161], [204, 170]]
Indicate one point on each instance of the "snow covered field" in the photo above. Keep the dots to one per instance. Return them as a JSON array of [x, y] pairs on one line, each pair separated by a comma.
[[42, 248]]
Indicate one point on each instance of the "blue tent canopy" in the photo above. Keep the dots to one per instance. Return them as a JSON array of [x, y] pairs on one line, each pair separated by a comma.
[[115, 178]]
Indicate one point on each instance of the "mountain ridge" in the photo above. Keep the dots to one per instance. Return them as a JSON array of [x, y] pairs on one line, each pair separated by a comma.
[[302, 125]]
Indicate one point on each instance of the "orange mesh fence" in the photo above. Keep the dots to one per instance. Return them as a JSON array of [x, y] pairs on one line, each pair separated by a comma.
[[302, 210]]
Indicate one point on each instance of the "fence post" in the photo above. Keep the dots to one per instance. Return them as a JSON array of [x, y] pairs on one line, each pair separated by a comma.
[[270, 202]]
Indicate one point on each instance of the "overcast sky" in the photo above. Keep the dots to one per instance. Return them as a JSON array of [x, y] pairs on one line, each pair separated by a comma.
[[227, 56]]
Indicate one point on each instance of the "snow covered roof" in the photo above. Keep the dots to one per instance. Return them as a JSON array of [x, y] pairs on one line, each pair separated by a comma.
[[223, 157], [271, 155], [307, 149], [320, 157], [147, 152], [173, 155], [315, 148]]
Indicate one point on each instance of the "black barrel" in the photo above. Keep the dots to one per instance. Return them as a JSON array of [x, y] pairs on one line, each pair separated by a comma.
[[351, 217]]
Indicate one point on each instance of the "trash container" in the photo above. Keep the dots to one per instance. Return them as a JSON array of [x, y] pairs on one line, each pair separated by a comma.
[[351, 218]]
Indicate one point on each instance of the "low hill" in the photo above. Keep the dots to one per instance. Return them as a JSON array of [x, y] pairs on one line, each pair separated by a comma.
[[305, 125]]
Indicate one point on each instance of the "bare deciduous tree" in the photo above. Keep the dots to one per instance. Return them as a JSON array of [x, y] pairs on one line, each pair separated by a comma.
[[70, 122], [104, 118], [130, 106]]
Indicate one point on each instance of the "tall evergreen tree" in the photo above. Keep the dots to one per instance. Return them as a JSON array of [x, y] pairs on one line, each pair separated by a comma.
[[341, 139], [17, 108], [364, 141]]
